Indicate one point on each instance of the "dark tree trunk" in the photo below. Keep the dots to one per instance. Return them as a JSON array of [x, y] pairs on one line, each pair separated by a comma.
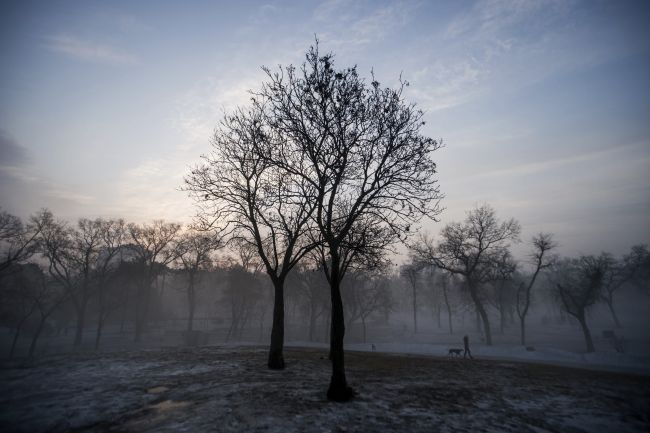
[[587, 333], [276, 358], [610, 304], [312, 320], [480, 310], [39, 329], [502, 320], [15, 340], [415, 310], [522, 320], [100, 326], [338, 388], [444, 293], [191, 300]]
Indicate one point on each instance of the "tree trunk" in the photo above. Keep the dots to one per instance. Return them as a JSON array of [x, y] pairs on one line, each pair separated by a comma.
[[191, 300], [502, 320], [482, 314], [15, 340], [610, 304], [415, 310], [338, 388], [32, 346], [276, 358], [587, 334], [100, 326], [444, 292], [312, 320], [522, 320]]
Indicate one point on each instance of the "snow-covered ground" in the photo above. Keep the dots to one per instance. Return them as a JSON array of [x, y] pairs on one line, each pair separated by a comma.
[[228, 388]]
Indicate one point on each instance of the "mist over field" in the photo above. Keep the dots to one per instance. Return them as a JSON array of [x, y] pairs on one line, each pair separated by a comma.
[[325, 216]]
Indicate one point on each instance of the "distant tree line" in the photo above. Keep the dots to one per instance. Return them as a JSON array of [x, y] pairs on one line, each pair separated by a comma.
[[476, 255]]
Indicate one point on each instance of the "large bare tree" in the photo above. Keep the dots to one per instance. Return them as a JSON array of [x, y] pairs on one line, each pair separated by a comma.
[[360, 149], [471, 249], [238, 190]]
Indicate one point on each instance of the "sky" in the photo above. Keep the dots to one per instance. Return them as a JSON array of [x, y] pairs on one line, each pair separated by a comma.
[[543, 106]]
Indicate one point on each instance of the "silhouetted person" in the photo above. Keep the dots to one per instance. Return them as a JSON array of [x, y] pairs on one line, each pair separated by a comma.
[[467, 351]]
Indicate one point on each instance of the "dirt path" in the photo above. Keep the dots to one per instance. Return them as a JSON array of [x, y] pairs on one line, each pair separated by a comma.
[[230, 390]]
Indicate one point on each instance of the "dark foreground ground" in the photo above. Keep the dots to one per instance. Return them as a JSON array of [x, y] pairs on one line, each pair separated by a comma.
[[230, 390]]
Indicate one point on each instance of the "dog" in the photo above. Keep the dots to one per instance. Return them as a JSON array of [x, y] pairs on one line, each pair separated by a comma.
[[455, 352]]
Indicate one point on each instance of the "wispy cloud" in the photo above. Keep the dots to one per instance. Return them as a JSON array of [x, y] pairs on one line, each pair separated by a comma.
[[543, 166], [12, 154], [88, 50], [354, 26]]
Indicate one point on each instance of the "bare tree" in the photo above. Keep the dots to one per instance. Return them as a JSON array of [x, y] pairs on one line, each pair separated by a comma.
[[411, 273], [577, 286], [113, 235], [48, 295], [17, 241], [542, 244], [256, 202], [364, 293], [153, 249], [16, 291], [56, 242], [637, 261], [311, 290], [193, 252], [359, 148], [446, 279], [502, 282], [471, 249]]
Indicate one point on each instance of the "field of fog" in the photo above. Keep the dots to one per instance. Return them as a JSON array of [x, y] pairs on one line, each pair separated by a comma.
[[234, 306]]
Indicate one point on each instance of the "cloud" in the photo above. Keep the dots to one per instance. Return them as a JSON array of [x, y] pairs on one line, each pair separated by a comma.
[[88, 51], [11, 153], [354, 26]]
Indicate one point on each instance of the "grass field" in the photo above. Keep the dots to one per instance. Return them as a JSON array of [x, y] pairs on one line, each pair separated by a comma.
[[229, 389]]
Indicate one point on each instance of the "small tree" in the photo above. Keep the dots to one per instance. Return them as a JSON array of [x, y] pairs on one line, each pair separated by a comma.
[[113, 234], [637, 261], [577, 286], [17, 241], [502, 282], [193, 252], [411, 273], [153, 250], [542, 244], [471, 249]]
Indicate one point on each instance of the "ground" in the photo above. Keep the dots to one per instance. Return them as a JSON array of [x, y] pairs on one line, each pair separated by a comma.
[[228, 389]]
